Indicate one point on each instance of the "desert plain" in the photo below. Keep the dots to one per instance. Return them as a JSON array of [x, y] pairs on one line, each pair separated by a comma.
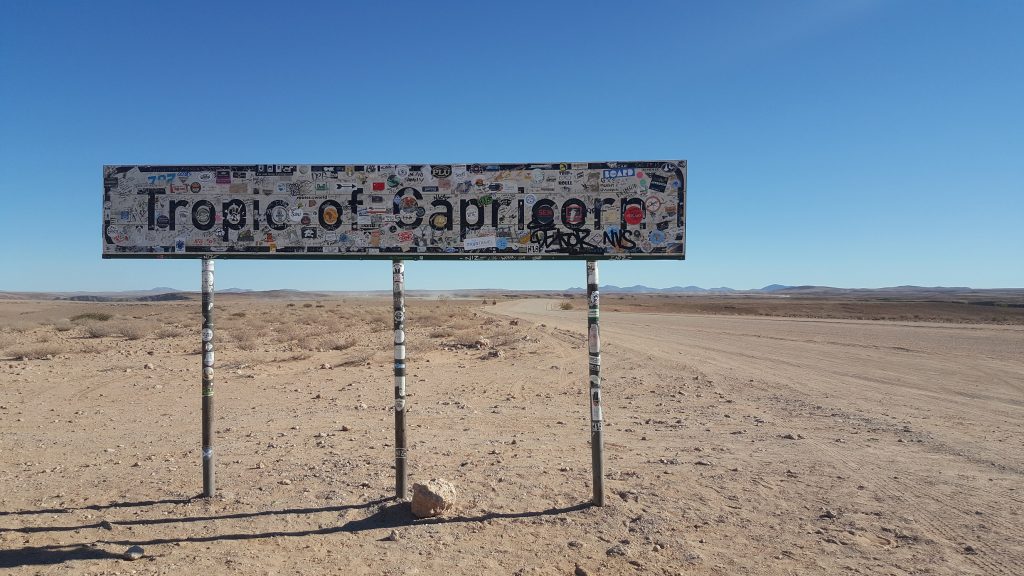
[[742, 436]]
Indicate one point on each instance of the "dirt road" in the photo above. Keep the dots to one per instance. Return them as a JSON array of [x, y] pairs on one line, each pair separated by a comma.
[[921, 425]]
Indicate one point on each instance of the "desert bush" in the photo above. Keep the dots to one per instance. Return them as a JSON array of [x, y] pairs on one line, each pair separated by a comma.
[[238, 314], [100, 330], [343, 344], [136, 331], [441, 332], [97, 316], [168, 332], [63, 325], [307, 305], [565, 305], [36, 351], [357, 358]]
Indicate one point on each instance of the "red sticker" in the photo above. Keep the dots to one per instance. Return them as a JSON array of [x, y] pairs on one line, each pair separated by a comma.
[[634, 214], [378, 185]]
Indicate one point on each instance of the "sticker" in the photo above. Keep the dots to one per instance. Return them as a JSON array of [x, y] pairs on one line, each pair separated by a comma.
[[399, 336], [480, 243], [208, 359], [330, 215], [207, 334], [207, 453], [633, 214]]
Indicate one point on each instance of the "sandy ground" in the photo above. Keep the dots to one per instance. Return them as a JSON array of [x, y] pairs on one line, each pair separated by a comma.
[[735, 445]]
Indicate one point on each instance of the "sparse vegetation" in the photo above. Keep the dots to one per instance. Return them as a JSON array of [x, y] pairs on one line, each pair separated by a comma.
[[100, 330], [344, 344], [566, 305], [97, 316], [136, 331], [36, 351]]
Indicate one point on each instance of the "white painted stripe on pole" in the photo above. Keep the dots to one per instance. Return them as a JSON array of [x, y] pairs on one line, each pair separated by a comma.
[[399, 352]]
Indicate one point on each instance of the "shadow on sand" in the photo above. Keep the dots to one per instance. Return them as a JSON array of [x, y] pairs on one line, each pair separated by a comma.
[[394, 515]]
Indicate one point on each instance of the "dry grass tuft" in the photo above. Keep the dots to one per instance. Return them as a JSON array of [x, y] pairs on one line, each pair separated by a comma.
[[342, 344], [100, 330], [565, 305], [136, 331], [36, 351], [97, 316]]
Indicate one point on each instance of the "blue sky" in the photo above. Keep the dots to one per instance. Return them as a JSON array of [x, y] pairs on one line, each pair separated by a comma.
[[857, 144]]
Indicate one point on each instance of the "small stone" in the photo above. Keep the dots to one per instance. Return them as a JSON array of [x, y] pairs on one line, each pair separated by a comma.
[[789, 436], [106, 525], [134, 553], [575, 544], [703, 462], [260, 465], [392, 537], [482, 343], [580, 571], [345, 428], [829, 513], [147, 366], [325, 366], [285, 482], [970, 549], [433, 498], [618, 550]]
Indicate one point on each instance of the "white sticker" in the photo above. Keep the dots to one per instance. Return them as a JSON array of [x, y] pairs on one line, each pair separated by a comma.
[[481, 242]]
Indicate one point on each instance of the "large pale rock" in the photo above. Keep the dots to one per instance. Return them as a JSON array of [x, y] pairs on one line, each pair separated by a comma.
[[433, 498]]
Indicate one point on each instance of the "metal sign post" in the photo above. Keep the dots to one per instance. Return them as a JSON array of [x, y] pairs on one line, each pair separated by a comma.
[[401, 449], [596, 414], [207, 277]]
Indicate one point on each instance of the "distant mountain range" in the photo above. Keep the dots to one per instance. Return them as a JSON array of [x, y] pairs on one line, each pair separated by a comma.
[[641, 289], [164, 293]]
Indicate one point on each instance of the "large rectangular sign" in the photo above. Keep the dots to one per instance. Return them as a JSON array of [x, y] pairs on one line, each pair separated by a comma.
[[577, 210]]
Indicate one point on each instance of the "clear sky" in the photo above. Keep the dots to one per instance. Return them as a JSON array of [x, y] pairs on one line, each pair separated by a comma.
[[845, 143]]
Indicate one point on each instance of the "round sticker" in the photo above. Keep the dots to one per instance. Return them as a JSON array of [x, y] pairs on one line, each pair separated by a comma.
[[295, 215], [439, 220], [330, 215], [653, 203], [203, 215], [195, 187], [633, 214], [537, 175], [530, 199], [402, 171]]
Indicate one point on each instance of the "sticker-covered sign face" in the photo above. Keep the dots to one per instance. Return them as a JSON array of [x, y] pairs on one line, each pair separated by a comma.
[[566, 210]]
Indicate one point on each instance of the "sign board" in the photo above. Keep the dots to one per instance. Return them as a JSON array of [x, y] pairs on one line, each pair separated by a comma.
[[577, 210]]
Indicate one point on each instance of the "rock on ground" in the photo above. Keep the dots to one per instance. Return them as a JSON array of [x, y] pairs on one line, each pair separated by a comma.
[[433, 498]]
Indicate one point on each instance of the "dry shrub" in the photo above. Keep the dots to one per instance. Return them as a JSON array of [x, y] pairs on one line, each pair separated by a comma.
[[7, 340], [168, 332], [441, 332], [98, 330], [20, 327], [344, 344], [136, 331], [238, 315], [97, 316], [565, 305], [357, 358], [63, 325], [36, 351]]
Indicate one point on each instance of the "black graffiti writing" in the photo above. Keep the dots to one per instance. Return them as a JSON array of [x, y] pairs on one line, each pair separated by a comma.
[[573, 241]]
